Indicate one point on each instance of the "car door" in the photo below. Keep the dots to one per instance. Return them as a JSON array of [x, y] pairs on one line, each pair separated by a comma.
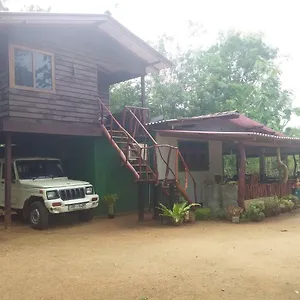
[[14, 187]]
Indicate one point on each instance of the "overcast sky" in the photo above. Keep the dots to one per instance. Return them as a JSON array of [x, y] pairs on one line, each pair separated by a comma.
[[278, 20]]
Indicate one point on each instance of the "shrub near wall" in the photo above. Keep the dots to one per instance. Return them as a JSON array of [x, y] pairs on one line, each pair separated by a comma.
[[268, 206]]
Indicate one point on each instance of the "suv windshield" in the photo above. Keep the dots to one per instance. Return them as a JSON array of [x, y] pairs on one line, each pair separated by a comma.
[[32, 169]]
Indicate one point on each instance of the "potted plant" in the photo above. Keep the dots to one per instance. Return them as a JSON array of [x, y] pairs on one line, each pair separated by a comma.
[[177, 213], [110, 201], [234, 212]]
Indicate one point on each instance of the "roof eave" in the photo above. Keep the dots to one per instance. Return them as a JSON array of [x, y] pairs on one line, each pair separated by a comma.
[[154, 61]]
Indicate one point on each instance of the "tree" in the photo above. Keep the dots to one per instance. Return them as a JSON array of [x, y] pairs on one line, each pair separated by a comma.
[[35, 8], [2, 7], [238, 72]]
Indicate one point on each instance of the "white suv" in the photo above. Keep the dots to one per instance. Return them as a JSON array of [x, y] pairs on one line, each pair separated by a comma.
[[40, 188]]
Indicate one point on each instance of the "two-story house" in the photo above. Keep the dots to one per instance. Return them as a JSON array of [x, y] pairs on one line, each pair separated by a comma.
[[54, 68]]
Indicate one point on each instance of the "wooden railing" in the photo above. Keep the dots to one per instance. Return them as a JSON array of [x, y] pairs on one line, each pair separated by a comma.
[[259, 190], [135, 114], [171, 149], [112, 125]]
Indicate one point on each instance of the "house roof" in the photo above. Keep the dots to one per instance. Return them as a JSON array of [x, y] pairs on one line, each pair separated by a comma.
[[196, 118], [252, 137], [154, 61], [228, 117]]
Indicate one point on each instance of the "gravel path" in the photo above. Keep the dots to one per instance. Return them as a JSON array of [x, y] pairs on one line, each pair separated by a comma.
[[119, 259]]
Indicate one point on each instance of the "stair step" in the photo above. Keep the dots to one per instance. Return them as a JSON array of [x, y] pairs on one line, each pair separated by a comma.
[[119, 137], [119, 131]]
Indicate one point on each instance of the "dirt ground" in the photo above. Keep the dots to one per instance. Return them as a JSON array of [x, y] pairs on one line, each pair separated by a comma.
[[120, 259]]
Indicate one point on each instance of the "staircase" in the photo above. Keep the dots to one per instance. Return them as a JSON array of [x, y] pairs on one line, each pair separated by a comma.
[[130, 140]]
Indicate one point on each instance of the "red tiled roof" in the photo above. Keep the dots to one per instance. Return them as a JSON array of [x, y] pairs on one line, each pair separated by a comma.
[[232, 117]]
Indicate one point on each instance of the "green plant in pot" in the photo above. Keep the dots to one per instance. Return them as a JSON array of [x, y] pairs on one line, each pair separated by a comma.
[[233, 213], [110, 201], [178, 211]]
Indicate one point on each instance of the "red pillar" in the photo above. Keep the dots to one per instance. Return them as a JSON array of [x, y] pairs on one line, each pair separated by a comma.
[[7, 218], [242, 171]]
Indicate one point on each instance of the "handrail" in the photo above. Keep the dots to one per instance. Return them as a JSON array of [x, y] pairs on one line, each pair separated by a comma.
[[116, 121], [168, 167], [187, 171], [143, 127], [142, 157]]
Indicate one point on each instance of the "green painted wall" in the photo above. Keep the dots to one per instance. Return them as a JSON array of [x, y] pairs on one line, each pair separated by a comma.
[[111, 177], [88, 159]]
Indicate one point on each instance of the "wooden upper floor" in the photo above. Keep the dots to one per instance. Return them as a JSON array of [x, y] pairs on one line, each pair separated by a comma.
[[55, 67]]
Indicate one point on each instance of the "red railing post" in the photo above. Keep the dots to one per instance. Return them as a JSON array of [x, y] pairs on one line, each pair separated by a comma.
[[168, 164], [155, 164]]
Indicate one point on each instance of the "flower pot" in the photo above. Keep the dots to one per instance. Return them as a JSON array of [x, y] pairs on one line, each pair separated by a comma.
[[177, 223], [111, 211], [192, 216], [235, 219]]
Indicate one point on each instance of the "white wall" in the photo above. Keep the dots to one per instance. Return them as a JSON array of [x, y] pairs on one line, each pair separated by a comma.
[[215, 165], [161, 140]]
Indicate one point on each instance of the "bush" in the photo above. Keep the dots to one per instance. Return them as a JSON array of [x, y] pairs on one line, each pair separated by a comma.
[[258, 217], [220, 215], [255, 211], [286, 205], [272, 206], [203, 214]]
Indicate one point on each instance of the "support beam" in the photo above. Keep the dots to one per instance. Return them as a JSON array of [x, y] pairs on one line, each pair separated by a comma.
[[242, 171], [7, 218], [141, 202], [155, 201], [262, 166]]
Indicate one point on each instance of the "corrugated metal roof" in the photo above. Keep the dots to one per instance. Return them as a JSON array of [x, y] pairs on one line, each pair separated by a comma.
[[153, 59], [196, 118], [233, 136], [233, 117]]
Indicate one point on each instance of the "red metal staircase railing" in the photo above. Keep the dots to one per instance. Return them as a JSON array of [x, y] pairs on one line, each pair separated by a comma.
[[139, 127], [136, 156]]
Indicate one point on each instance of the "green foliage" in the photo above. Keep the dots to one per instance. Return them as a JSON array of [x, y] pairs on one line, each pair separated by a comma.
[[178, 212], [239, 72], [286, 205], [272, 206], [203, 214], [220, 214], [110, 199], [255, 211], [35, 8], [2, 7]]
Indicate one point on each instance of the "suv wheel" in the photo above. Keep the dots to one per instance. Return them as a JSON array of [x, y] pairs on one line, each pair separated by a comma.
[[38, 215], [86, 215]]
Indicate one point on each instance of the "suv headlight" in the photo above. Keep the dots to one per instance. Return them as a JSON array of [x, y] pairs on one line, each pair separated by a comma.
[[51, 195], [89, 190]]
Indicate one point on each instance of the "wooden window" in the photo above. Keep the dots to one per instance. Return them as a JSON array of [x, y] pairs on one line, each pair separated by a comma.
[[31, 69], [195, 154]]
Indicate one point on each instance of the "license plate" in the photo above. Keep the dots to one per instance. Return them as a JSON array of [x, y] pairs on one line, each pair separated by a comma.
[[76, 206]]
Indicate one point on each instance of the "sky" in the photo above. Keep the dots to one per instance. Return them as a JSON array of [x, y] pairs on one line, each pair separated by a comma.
[[278, 20]]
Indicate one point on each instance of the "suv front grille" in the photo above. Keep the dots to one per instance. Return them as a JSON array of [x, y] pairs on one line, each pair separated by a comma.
[[71, 194]]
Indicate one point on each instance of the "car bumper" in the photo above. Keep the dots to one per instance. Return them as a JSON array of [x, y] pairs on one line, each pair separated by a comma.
[[59, 206]]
